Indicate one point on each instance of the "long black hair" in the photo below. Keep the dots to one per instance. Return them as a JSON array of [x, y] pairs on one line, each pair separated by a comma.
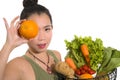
[[32, 7]]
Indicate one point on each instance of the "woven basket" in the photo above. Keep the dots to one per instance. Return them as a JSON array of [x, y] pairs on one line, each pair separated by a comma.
[[110, 76]]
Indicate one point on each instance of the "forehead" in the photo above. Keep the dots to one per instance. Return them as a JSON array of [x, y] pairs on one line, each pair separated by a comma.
[[41, 20]]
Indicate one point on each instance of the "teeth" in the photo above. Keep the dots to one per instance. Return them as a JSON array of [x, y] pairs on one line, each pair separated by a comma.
[[41, 45]]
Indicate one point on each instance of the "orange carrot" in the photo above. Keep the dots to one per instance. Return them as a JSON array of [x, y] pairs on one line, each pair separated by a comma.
[[85, 52], [71, 63]]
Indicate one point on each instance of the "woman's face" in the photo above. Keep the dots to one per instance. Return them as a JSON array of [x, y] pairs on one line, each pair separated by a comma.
[[42, 40]]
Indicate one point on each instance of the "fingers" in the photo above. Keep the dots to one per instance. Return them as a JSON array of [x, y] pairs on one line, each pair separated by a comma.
[[18, 23], [13, 21], [6, 23]]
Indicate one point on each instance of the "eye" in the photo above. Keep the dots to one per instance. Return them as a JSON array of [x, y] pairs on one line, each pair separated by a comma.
[[47, 29]]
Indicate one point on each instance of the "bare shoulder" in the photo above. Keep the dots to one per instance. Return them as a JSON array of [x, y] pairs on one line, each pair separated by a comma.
[[17, 62], [15, 68], [57, 53]]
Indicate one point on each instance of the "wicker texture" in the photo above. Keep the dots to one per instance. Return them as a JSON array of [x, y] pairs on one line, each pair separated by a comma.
[[110, 76]]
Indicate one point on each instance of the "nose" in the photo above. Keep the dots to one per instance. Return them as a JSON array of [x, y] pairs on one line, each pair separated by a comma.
[[41, 36]]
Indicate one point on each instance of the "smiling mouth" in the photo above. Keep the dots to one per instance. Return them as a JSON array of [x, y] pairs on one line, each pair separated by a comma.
[[41, 46]]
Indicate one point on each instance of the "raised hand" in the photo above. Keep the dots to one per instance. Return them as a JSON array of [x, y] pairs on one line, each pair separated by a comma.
[[13, 39]]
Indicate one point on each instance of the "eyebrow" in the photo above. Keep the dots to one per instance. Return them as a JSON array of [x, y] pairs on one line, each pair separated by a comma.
[[50, 25]]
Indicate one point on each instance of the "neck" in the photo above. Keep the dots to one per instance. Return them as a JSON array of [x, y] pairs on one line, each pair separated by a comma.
[[40, 53], [48, 68]]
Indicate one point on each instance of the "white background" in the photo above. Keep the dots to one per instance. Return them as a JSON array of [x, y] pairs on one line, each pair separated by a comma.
[[96, 18]]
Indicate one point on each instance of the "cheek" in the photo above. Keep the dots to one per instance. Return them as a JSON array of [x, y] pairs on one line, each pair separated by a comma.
[[50, 37], [31, 42]]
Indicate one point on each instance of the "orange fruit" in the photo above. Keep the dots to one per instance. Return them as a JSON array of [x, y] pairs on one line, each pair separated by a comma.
[[28, 29], [86, 76]]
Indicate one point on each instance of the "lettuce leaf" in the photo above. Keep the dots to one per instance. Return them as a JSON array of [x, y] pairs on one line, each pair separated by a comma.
[[95, 50], [111, 61]]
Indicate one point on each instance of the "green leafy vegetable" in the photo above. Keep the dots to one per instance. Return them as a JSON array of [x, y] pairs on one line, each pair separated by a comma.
[[111, 60], [102, 59], [106, 58], [95, 49]]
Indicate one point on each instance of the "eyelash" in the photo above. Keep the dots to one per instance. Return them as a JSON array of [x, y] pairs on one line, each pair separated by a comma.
[[47, 29]]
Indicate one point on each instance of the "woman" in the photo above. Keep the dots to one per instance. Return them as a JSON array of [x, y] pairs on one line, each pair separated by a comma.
[[38, 62]]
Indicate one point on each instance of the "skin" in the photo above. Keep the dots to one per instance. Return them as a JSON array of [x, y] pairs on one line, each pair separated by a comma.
[[19, 68]]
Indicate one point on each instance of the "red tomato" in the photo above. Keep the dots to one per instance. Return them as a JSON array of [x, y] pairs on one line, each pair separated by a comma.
[[85, 67], [81, 68], [77, 71], [92, 72], [83, 71]]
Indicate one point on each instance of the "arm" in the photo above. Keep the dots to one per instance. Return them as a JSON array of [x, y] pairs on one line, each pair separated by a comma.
[[12, 41], [4, 54]]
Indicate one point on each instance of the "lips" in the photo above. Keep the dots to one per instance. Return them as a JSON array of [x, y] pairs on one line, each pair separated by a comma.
[[41, 46]]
